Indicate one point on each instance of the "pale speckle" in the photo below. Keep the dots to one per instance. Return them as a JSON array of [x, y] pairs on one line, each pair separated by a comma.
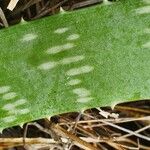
[[10, 95], [68, 78], [73, 37], [148, 81], [146, 1], [4, 89], [48, 65], [84, 99], [147, 31], [11, 106], [29, 37], [80, 70], [61, 30], [20, 102], [74, 82], [81, 92], [72, 59], [60, 48], [146, 45], [8, 107], [19, 111], [9, 119], [23, 111], [143, 10]]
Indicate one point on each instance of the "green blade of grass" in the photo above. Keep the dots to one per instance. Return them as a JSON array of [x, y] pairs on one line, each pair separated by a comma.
[[93, 57]]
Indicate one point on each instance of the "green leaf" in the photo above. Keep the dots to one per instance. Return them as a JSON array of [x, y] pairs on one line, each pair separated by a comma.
[[94, 57]]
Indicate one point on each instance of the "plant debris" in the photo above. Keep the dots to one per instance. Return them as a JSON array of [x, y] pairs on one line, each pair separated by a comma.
[[85, 130], [33, 9], [126, 127]]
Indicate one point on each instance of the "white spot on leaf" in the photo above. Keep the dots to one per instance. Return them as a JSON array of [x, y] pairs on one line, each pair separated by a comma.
[[19, 111], [143, 10], [74, 82], [23, 111], [29, 37], [4, 89], [8, 107], [147, 31], [73, 37], [81, 92], [72, 59], [61, 30], [15, 104], [84, 99], [20, 102], [80, 70], [9, 119], [146, 1], [10, 95], [60, 48], [146, 45], [48, 65]]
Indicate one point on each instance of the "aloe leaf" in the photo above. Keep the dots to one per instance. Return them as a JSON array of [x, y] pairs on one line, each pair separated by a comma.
[[98, 56]]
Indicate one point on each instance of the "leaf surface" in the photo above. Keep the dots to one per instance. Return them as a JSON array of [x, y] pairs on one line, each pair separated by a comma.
[[98, 56]]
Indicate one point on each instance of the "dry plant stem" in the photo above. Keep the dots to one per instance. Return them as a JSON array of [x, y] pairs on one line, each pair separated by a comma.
[[130, 148], [73, 128], [48, 10], [135, 144], [116, 146], [26, 6], [62, 132], [44, 7], [38, 147], [132, 109], [137, 131], [120, 128], [85, 3], [12, 142], [38, 7], [119, 120], [77, 141], [2, 16], [12, 4], [80, 128], [77, 120], [128, 131], [48, 131], [1, 24], [29, 141], [136, 147], [30, 3]]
